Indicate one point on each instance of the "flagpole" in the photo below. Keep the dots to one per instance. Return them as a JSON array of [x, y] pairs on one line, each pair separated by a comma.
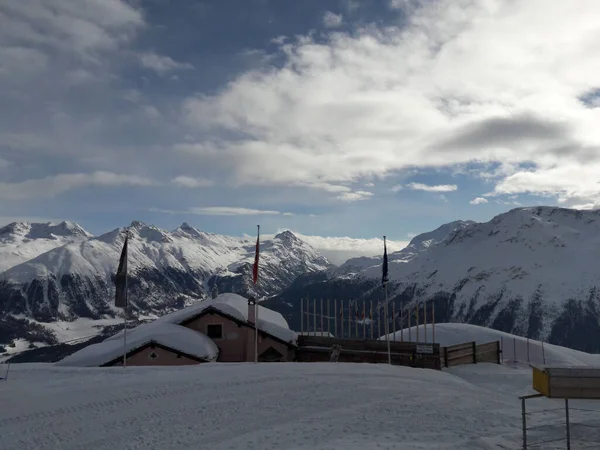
[[125, 307], [385, 285], [256, 302], [387, 326]]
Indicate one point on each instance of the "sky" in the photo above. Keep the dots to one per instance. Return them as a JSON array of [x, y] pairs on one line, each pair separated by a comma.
[[342, 120]]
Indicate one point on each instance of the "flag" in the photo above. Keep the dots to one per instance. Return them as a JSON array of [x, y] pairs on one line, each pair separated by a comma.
[[121, 279], [384, 267], [255, 268]]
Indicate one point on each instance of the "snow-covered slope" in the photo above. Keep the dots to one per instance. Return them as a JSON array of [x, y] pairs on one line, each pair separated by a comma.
[[22, 241], [515, 349], [283, 406], [167, 270]]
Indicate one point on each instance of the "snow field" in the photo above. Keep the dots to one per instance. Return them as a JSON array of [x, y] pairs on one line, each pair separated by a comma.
[[284, 406]]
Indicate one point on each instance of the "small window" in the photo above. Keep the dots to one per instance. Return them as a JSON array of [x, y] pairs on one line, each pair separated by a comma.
[[214, 331]]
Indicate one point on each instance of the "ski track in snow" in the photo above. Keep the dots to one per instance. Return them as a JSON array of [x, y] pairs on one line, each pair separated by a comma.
[[260, 407]]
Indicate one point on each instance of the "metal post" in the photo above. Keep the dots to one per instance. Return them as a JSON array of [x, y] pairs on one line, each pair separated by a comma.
[[342, 316], [409, 330], [417, 320], [387, 326], [301, 315], [256, 331], [402, 320], [364, 322], [425, 321], [524, 418], [335, 319], [371, 318], [433, 320], [315, 317], [394, 321], [7, 370], [543, 353], [321, 304], [356, 320], [125, 337], [378, 320], [568, 424], [328, 317]]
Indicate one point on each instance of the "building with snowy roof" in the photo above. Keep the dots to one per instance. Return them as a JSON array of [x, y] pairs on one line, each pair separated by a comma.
[[220, 329]]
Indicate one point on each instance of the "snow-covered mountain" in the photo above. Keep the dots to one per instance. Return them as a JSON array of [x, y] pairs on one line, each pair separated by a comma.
[[166, 271], [418, 244], [531, 271], [22, 241]]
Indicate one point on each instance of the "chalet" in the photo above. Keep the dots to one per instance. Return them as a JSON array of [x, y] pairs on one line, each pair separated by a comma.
[[221, 329]]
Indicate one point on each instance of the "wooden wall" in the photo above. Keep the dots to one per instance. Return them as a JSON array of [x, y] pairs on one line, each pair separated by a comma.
[[317, 349], [470, 353]]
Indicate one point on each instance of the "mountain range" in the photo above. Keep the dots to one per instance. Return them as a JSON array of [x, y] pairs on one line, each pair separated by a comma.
[[62, 273], [531, 271]]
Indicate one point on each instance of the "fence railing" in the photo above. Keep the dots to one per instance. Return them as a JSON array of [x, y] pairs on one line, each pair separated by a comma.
[[318, 348], [367, 319], [471, 353]]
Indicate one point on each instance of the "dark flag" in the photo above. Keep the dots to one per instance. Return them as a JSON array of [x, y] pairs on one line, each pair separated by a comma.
[[384, 267], [255, 268], [121, 279]]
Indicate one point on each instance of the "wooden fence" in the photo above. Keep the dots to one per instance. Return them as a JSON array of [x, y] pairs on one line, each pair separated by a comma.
[[317, 349], [471, 353]]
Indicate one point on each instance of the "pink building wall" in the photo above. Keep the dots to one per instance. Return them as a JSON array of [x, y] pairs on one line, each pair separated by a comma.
[[237, 344]]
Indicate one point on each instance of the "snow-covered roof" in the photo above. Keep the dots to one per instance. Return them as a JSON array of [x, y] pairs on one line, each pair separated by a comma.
[[172, 336], [234, 305]]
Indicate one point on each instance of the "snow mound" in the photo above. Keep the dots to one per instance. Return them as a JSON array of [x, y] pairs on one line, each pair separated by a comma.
[[176, 337], [514, 348]]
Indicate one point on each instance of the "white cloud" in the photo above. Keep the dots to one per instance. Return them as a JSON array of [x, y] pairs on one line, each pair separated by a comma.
[[397, 188], [85, 26], [234, 211], [479, 82], [478, 201], [332, 20], [57, 184], [340, 249], [162, 64], [354, 196], [429, 188], [191, 182]]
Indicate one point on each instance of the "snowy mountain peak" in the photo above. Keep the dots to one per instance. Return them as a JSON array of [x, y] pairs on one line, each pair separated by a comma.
[[49, 230], [288, 237]]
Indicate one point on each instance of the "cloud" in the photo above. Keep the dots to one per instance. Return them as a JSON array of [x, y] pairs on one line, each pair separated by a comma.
[[234, 211], [162, 64], [58, 184], [340, 249], [428, 188], [478, 83], [354, 196], [478, 201], [190, 182], [86, 27], [4, 163], [397, 188], [332, 20]]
